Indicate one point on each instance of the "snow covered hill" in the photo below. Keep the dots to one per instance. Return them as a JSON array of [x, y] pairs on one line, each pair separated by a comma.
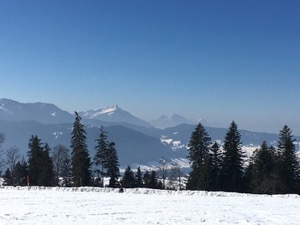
[[91, 206]]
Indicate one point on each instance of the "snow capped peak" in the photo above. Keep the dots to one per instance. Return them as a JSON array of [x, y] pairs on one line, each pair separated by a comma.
[[93, 114], [113, 114], [108, 110]]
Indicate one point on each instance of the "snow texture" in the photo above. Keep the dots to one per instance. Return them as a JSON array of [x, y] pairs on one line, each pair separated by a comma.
[[90, 206]]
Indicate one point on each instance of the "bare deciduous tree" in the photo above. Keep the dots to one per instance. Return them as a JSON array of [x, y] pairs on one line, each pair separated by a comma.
[[2, 140], [59, 155], [12, 157], [163, 170], [176, 175]]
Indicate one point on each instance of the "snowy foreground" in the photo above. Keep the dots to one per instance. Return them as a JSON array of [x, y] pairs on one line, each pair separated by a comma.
[[91, 206]]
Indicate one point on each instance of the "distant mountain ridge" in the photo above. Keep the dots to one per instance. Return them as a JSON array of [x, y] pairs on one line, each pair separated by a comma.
[[137, 141], [46, 113], [173, 120]]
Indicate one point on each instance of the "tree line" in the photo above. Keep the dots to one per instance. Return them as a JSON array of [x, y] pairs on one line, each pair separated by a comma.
[[60, 167], [57, 166], [270, 170]]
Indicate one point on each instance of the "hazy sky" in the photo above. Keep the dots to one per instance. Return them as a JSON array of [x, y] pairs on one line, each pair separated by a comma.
[[218, 60]]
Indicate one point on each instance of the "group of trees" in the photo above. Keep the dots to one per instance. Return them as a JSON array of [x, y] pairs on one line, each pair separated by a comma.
[[47, 167], [270, 170], [148, 179]]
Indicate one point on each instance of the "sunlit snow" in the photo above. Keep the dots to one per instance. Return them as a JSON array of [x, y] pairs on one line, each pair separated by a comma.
[[91, 206]]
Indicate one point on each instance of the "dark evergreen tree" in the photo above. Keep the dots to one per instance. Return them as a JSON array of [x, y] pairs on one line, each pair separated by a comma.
[[80, 159], [128, 179], [101, 156], [198, 153], [216, 165], [106, 157], [46, 177], [154, 182], [20, 173], [248, 177], [146, 179], [112, 165], [8, 179], [263, 171], [35, 160], [288, 163], [232, 167], [139, 177], [39, 163], [151, 181]]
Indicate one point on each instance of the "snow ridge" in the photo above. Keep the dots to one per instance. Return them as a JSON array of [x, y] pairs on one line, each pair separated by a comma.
[[147, 191]]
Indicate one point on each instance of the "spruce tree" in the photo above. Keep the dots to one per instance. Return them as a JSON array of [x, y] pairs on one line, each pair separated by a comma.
[[198, 153], [248, 176], [101, 156], [46, 171], [80, 159], [8, 178], [151, 181], [289, 168], [232, 167], [263, 171], [216, 163], [20, 173], [146, 179], [139, 177], [128, 179], [35, 160], [113, 170]]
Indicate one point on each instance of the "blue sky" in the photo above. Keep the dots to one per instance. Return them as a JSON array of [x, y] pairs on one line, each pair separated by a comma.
[[218, 60]]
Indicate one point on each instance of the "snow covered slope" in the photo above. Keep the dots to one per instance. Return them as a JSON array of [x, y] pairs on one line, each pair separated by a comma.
[[113, 114], [91, 206]]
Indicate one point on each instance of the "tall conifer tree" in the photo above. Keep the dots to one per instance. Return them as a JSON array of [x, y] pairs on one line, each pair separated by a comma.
[[139, 177], [198, 153], [47, 171], [232, 167], [289, 167], [35, 155], [80, 159], [264, 179], [216, 163], [113, 170], [101, 156]]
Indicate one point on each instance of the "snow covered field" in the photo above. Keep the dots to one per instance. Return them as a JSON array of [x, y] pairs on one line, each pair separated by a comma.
[[91, 206]]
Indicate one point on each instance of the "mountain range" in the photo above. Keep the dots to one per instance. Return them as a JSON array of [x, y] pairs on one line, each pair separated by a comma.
[[138, 142]]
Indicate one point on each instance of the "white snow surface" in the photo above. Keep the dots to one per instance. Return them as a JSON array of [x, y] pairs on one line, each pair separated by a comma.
[[91, 206], [96, 112]]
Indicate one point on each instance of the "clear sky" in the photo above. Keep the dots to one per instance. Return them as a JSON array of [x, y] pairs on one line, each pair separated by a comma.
[[218, 60]]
